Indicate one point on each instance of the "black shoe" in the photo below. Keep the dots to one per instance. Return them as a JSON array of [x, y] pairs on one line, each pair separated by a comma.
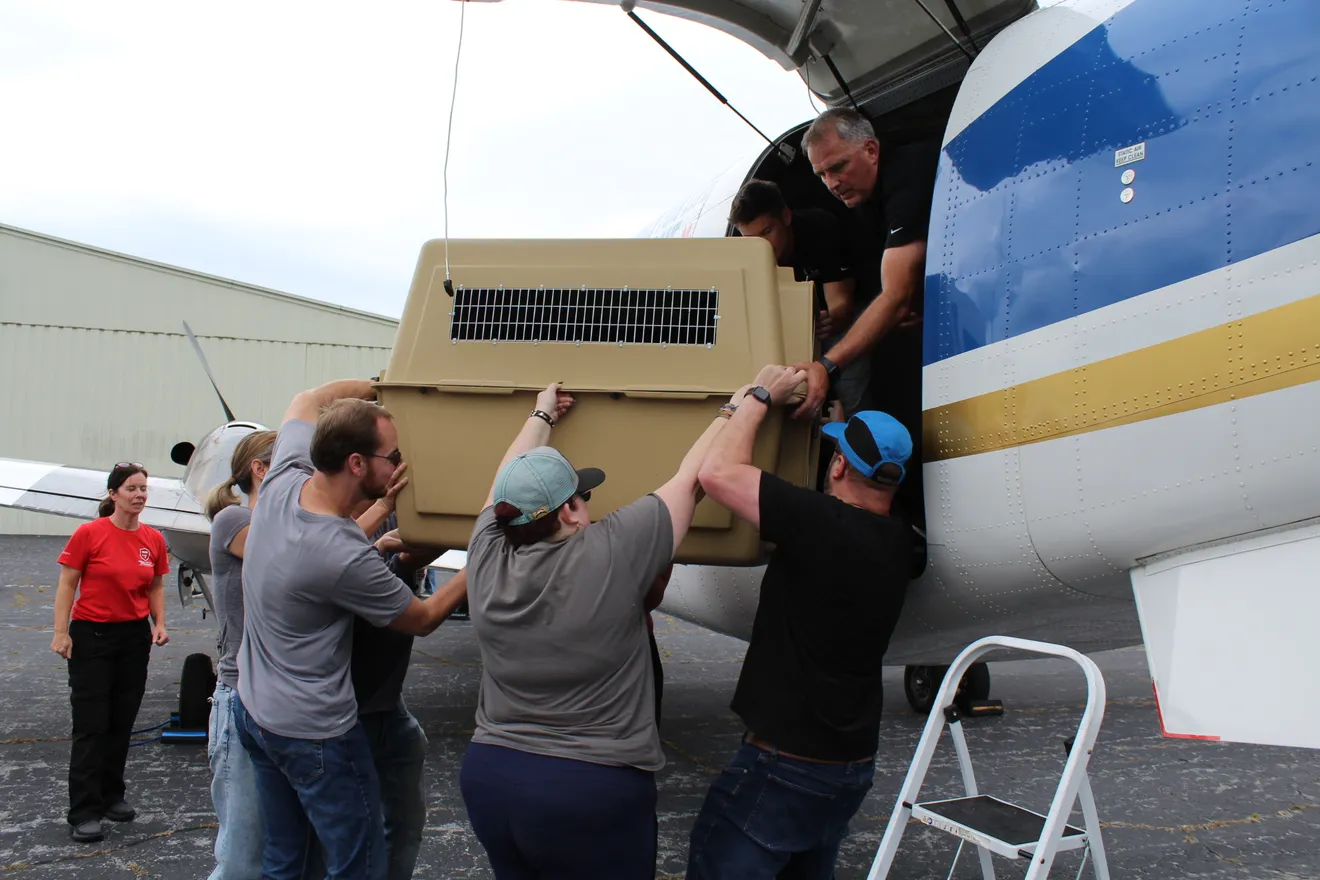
[[86, 832], [120, 812]]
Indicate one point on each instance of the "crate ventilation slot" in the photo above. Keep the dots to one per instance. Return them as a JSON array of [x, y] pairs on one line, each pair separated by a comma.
[[612, 315]]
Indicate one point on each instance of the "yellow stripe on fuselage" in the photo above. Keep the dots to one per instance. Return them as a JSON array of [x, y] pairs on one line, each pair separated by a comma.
[[1274, 349]]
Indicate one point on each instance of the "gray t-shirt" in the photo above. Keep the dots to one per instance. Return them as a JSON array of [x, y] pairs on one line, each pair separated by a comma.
[[566, 659], [227, 588], [304, 577]]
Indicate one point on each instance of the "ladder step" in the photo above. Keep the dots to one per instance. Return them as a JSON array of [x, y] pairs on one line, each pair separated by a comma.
[[1003, 828]]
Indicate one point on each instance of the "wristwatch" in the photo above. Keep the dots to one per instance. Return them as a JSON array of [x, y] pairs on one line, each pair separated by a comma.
[[831, 368], [759, 393]]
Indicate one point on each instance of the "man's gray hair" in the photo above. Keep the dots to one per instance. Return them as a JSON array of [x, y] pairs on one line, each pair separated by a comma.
[[847, 124]]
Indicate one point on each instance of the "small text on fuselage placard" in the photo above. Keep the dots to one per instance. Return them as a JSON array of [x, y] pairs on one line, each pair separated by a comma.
[[1128, 155]]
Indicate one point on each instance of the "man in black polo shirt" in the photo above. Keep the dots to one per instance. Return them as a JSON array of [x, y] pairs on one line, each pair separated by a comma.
[[810, 690], [816, 246], [890, 190]]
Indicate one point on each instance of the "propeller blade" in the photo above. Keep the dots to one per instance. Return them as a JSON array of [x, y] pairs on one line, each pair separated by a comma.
[[229, 414]]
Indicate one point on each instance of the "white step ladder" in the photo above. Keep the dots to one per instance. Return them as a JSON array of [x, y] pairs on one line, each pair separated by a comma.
[[994, 825]]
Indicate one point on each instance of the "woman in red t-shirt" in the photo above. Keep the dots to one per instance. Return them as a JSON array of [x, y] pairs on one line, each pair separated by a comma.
[[116, 566]]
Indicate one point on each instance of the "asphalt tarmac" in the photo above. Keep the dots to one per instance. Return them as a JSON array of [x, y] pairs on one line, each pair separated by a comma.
[[1170, 808]]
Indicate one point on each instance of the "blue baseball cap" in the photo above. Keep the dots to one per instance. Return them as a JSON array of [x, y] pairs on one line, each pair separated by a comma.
[[539, 481], [871, 439]]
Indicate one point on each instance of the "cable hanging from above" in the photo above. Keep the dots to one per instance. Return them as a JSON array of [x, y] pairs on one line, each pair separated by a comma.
[[449, 136]]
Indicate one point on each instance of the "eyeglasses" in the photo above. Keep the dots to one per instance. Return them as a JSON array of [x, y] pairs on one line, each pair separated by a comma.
[[585, 496], [127, 464], [395, 458]]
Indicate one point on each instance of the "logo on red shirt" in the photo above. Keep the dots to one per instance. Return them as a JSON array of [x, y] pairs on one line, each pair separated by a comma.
[[144, 557]]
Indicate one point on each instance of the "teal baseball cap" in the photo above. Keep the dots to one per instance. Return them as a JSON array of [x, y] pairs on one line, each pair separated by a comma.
[[871, 439], [539, 481]]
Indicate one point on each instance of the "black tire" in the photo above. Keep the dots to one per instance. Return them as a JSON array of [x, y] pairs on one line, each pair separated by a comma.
[[975, 685], [921, 684], [195, 689]]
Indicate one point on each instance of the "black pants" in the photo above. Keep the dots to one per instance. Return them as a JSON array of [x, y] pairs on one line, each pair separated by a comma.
[[107, 677], [545, 818]]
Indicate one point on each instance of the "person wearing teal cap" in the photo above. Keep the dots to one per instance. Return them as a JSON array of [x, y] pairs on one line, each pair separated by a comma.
[[559, 779], [809, 693]]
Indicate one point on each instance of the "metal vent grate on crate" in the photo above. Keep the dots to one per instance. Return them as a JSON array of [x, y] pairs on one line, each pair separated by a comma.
[[617, 315]]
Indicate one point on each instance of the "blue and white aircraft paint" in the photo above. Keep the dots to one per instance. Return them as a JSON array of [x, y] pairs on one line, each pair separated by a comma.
[[1122, 336]]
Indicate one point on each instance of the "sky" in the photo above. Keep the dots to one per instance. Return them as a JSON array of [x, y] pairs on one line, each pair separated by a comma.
[[300, 145]]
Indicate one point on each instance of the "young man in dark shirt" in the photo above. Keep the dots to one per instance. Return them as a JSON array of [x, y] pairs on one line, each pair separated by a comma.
[[810, 690], [891, 191], [816, 246]]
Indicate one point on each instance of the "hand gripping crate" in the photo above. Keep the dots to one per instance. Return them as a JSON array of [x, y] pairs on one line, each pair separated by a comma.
[[649, 335]]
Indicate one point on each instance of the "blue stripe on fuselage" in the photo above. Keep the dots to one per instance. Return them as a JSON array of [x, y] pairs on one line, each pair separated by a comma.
[[1028, 228]]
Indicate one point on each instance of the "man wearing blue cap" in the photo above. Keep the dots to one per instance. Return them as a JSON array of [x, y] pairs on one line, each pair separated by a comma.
[[809, 693]]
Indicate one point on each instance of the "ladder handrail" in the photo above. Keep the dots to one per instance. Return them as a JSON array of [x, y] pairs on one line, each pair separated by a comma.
[[1088, 728]]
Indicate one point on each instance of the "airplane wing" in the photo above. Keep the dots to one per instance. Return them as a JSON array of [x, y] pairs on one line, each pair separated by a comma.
[[44, 487], [62, 490]]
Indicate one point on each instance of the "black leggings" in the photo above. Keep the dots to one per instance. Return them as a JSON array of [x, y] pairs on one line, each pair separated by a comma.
[[544, 818], [107, 678]]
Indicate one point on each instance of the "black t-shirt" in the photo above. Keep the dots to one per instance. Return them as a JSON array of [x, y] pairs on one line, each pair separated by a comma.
[[907, 190], [830, 598], [821, 250], [898, 213], [381, 655]]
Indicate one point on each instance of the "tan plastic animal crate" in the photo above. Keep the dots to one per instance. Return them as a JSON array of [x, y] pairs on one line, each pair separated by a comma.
[[649, 335]]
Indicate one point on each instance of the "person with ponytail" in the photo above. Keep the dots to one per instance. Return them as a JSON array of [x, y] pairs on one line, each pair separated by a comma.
[[239, 839], [112, 585]]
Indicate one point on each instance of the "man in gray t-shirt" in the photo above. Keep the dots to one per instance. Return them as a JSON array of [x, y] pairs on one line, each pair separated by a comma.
[[308, 569]]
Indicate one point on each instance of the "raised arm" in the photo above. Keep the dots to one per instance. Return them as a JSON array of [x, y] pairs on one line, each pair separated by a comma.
[[901, 271], [535, 430], [682, 492], [375, 515], [727, 474], [306, 405]]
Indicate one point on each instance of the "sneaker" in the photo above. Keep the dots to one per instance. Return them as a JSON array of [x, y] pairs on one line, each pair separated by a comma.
[[120, 812], [86, 832]]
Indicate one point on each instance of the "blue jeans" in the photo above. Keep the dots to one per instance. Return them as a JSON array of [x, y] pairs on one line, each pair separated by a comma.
[[326, 785], [398, 747], [238, 842], [769, 816], [545, 818]]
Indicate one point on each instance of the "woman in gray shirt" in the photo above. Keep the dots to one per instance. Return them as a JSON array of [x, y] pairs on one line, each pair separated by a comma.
[[559, 779], [239, 840]]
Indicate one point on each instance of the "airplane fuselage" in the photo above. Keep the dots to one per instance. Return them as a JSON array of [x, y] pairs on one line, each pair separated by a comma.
[[1121, 294]]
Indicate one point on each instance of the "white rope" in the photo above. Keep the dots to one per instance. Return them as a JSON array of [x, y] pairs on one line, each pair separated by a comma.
[[453, 99]]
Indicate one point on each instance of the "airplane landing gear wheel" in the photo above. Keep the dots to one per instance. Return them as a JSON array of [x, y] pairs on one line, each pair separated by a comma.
[[922, 683]]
